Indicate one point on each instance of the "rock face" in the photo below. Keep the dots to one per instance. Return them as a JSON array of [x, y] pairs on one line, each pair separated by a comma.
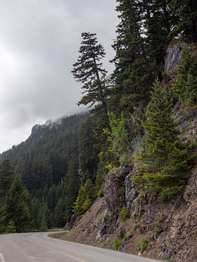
[[170, 227], [130, 191], [187, 122], [190, 194], [173, 56], [104, 224], [114, 191], [91, 226], [180, 241]]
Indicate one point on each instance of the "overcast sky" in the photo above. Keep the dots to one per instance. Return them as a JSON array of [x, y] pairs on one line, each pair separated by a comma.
[[39, 41]]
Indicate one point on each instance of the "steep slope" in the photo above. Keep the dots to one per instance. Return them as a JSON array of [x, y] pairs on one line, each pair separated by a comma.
[[162, 230], [123, 220]]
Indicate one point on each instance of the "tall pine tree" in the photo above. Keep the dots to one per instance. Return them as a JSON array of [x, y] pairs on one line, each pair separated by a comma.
[[6, 178], [90, 72], [18, 206], [159, 26], [187, 18], [163, 161], [131, 77]]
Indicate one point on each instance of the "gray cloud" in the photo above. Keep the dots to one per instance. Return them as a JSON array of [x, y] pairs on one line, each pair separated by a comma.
[[39, 41]]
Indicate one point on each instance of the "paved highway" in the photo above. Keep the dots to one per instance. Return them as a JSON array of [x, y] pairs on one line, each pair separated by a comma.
[[38, 247]]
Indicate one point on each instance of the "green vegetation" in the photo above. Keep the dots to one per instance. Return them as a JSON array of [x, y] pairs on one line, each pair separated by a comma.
[[185, 85], [124, 214], [158, 226], [15, 214], [163, 162], [90, 72], [85, 197], [48, 164], [18, 207], [118, 140], [142, 244], [116, 244]]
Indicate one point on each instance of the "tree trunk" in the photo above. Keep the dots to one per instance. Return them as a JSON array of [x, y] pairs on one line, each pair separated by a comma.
[[102, 96]]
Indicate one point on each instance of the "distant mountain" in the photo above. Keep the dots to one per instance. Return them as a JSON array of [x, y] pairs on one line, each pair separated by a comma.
[[42, 159]]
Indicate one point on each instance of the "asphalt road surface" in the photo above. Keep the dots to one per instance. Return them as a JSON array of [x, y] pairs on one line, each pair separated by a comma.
[[38, 247]]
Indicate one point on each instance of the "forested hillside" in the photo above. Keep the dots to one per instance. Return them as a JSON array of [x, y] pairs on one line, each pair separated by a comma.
[[48, 165], [134, 152]]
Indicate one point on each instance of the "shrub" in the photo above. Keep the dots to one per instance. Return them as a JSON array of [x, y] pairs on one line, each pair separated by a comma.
[[116, 244], [142, 244], [124, 214]]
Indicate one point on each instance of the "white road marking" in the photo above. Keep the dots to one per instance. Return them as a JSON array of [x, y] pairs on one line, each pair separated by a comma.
[[2, 259]]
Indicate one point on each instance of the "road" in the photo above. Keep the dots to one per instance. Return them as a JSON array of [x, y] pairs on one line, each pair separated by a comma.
[[38, 247]]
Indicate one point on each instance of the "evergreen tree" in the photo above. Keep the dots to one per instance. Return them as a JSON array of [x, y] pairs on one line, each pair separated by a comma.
[[6, 178], [90, 72], [43, 225], [85, 197], [190, 95], [163, 161], [185, 85], [71, 184], [2, 218], [10, 227], [186, 12], [59, 218], [35, 213], [131, 77], [18, 206], [159, 28], [88, 149]]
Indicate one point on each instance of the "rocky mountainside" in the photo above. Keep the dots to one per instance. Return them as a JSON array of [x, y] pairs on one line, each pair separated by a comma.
[[166, 230]]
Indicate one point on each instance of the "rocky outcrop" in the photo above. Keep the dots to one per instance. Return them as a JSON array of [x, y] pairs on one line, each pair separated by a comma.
[[180, 238], [173, 56], [130, 191], [190, 194], [91, 225], [186, 120], [170, 228], [114, 191]]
